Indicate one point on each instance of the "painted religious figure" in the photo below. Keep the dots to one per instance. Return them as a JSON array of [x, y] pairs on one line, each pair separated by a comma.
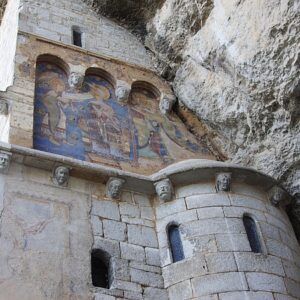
[[91, 124]]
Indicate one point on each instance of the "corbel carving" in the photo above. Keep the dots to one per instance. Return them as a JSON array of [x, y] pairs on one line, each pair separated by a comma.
[[223, 182], [114, 187], [164, 189], [61, 176], [122, 92], [5, 159], [3, 107], [76, 80], [166, 103], [278, 197]]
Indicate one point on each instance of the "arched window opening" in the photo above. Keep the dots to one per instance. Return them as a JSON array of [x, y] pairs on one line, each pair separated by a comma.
[[77, 36], [252, 234], [175, 243], [100, 269]]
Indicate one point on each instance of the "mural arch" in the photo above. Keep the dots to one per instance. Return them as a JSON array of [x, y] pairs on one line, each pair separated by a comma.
[[90, 124]]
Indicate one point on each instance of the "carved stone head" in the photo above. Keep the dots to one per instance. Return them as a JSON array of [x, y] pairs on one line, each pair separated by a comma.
[[123, 90], [278, 196], [223, 182], [166, 104], [4, 162], [114, 187], [3, 107], [61, 175], [164, 189], [76, 80], [296, 207]]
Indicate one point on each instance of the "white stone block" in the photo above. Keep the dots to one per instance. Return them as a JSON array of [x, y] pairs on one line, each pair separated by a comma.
[[207, 200], [105, 209], [253, 262], [114, 230], [219, 283], [181, 291], [152, 256], [146, 278], [170, 208], [265, 282], [132, 252], [246, 295], [142, 235], [220, 262]]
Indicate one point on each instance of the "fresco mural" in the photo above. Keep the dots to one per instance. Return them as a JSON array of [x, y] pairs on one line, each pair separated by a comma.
[[91, 125]]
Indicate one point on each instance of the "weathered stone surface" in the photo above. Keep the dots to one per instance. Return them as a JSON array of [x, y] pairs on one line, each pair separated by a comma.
[[114, 230], [141, 235], [154, 293], [146, 278], [132, 252], [182, 290], [265, 282], [222, 70], [106, 209], [183, 270], [246, 295], [251, 262], [152, 256], [243, 84], [220, 262], [218, 283]]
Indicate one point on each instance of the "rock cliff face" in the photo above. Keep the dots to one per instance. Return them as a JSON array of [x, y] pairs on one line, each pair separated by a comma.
[[235, 64]]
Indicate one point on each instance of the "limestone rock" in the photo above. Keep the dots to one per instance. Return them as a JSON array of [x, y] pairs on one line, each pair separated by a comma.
[[239, 73]]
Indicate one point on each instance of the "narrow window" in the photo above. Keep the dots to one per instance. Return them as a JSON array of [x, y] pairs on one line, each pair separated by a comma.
[[77, 37], [175, 243], [252, 234], [100, 270]]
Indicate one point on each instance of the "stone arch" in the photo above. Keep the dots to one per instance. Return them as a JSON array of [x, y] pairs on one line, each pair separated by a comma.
[[53, 59], [102, 74], [51, 81], [144, 85]]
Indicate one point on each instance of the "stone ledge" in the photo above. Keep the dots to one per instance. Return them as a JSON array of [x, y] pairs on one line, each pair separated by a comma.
[[182, 173]]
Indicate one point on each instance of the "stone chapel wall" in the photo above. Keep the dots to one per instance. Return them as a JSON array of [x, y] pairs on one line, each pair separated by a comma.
[[47, 234], [219, 263], [54, 20]]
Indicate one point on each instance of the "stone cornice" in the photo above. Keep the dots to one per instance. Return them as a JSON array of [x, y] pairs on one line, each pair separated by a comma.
[[182, 173]]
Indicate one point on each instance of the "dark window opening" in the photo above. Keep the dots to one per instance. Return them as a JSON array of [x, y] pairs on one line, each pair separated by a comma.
[[252, 234], [175, 243], [100, 273], [77, 38]]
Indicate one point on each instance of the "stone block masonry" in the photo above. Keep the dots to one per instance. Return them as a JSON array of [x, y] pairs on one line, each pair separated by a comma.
[[219, 263], [54, 20], [43, 223]]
